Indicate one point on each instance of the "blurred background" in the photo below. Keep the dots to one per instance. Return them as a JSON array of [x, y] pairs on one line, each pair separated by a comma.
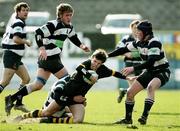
[[87, 20]]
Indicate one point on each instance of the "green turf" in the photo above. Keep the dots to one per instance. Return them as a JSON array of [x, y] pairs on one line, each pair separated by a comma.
[[102, 110]]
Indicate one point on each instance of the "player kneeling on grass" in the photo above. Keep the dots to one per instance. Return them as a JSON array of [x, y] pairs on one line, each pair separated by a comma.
[[72, 94]]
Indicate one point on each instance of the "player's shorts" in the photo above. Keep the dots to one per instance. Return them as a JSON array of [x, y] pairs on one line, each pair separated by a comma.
[[147, 76], [63, 100], [52, 64], [11, 60], [130, 63]]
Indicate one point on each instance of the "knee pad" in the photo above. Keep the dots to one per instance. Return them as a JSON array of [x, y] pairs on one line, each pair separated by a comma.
[[41, 80]]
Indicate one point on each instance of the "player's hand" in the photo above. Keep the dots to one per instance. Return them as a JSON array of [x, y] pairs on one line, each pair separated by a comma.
[[42, 53], [93, 79], [128, 55], [79, 99], [85, 48], [126, 71]]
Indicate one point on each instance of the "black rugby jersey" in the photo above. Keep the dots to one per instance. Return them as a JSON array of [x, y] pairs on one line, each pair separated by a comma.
[[53, 34], [77, 85], [16, 28]]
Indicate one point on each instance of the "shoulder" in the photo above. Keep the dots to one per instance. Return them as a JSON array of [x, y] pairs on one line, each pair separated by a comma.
[[52, 22], [154, 42], [18, 22]]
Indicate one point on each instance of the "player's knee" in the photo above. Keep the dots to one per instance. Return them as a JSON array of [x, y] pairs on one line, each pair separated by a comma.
[[130, 95], [5, 82], [46, 113], [37, 86], [150, 88], [77, 120], [26, 80], [39, 83]]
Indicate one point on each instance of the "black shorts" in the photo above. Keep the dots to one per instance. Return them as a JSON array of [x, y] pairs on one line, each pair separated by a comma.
[[63, 100], [129, 64], [147, 76], [52, 65], [11, 60]]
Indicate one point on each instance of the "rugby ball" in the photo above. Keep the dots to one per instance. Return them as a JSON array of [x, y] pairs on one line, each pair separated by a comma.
[[93, 73]]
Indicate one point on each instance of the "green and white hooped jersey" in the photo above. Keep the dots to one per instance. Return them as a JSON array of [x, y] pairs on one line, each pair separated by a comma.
[[152, 48], [54, 33]]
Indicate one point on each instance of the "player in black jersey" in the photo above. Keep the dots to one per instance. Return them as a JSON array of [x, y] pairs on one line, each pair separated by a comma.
[[13, 44], [50, 38], [130, 58], [73, 93], [156, 75]]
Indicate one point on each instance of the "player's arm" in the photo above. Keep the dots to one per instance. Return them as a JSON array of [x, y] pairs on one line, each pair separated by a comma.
[[106, 72], [118, 51], [44, 31], [81, 69], [123, 50], [18, 35], [118, 75], [75, 40], [20, 41]]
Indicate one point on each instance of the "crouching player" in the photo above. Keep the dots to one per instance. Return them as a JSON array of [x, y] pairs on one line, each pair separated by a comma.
[[72, 94]]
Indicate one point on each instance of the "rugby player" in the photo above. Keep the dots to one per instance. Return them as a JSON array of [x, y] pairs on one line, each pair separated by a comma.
[[13, 44], [131, 58], [50, 38], [73, 93], [156, 75]]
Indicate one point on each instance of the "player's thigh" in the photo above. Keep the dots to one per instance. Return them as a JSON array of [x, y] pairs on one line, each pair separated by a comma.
[[43, 73], [78, 112], [61, 73], [23, 74], [7, 76], [51, 109], [41, 78], [134, 89], [154, 84]]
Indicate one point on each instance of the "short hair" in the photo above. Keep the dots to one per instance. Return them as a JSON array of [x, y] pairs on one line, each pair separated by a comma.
[[134, 22], [17, 7], [64, 7], [100, 54]]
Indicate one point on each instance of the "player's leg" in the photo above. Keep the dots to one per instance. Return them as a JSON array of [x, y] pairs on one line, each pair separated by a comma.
[[149, 101], [129, 103], [47, 112], [158, 81], [77, 116], [25, 78], [6, 78], [40, 81], [61, 73], [78, 112]]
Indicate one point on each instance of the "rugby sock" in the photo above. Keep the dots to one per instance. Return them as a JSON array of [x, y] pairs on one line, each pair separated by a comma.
[[33, 114], [19, 98], [58, 120], [22, 92], [129, 108], [147, 106], [1, 88]]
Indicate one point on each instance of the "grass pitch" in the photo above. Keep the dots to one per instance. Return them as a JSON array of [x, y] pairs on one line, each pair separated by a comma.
[[101, 111]]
